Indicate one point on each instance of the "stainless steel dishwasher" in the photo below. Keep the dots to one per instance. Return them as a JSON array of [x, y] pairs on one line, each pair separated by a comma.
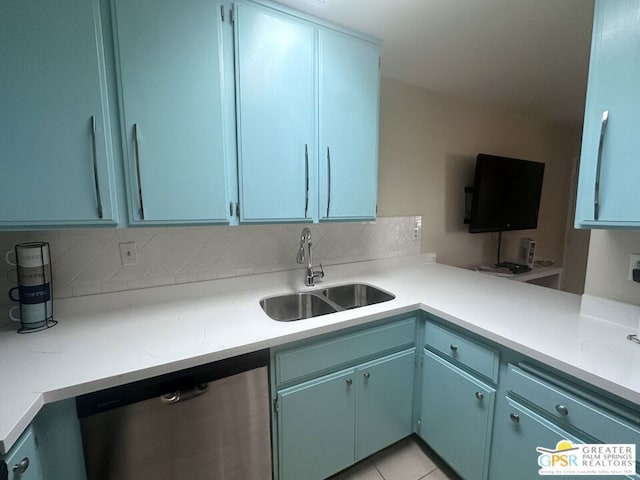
[[207, 422]]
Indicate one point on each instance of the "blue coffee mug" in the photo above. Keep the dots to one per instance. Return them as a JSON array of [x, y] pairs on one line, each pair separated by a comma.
[[30, 295]]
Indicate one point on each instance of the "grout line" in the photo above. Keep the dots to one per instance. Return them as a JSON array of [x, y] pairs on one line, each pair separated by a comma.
[[377, 469], [435, 467]]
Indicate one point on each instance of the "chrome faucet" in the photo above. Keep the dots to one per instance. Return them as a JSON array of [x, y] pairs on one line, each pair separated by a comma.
[[304, 254]]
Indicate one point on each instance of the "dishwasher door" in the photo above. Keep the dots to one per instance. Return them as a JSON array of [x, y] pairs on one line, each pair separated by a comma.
[[216, 430]]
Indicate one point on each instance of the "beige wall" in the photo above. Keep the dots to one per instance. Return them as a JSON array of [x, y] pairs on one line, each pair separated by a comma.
[[608, 265], [428, 146], [576, 245]]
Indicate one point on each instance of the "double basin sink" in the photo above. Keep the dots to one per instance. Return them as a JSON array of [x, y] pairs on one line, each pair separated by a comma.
[[300, 305]]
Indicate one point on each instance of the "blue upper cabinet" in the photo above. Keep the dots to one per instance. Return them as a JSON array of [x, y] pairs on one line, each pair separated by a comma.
[[307, 117], [349, 86], [55, 139], [169, 59], [275, 77], [610, 163]]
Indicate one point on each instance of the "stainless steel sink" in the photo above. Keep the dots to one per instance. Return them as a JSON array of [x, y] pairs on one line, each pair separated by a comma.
[[297, 306], [356, 295]]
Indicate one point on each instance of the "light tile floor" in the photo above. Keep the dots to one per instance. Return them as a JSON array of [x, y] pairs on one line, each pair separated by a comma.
[[405, 460]]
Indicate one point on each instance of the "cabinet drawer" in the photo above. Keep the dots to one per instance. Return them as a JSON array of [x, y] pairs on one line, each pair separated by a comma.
[[477, 357], [570, 410], [325, 355]]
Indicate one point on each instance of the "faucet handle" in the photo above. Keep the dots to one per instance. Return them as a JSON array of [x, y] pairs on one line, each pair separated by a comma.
[[319, 274]]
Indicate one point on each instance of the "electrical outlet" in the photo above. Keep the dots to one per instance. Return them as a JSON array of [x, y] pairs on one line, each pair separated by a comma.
[[128, 253], [634, 262], [416, 233]]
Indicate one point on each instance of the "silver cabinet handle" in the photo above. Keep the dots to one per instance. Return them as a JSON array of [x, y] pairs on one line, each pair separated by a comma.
[[454, 348], [136, 151], [515, 418], [349, 381], [562, 410], [184, 395], [94, 153], [306, 180], [328, 181], [367, 375], [596, 196], [21, 466], [479, 395]]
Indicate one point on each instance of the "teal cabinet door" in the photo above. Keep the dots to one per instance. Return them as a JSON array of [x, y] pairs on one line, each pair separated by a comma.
[[169, 58], [60, 441], [349, 92], [22, 460], [55, 139], [385, 402], [456, 416], [517, 433], [609, 166], [316, 427], [275, 76]]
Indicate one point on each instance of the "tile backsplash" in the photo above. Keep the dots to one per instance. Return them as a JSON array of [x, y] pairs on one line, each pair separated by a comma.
[[88, 261]]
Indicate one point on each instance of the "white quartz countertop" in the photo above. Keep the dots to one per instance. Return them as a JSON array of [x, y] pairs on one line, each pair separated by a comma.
[[112, 339]]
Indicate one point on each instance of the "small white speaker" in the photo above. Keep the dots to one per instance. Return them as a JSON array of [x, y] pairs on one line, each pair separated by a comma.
[[527, 251]]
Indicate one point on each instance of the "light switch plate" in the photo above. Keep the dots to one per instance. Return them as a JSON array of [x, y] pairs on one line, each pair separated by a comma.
[[634, 262], [128, 253]]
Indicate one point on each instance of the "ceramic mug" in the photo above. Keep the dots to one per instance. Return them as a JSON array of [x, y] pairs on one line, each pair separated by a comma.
[[29, 255], [32, 316], [31, 294], [30, 276]]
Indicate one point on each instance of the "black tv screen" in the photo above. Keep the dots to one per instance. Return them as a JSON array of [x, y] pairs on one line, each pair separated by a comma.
[[506, 194]]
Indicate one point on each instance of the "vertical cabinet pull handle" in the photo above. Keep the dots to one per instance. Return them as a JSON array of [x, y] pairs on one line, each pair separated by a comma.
[[328, 181], [562, 410], [21, 466], [479, 395], [136, 151], [349, 381], [596, 196], [514, 418], [306, 180], [367, 375], [94, 153]]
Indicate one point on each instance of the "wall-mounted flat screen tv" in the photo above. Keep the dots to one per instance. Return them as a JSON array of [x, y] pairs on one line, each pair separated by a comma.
[[506, 194]]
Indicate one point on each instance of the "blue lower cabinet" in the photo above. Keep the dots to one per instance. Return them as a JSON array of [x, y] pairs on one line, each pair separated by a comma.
[[22, 460], [385, 402], [60, 441], [327, 424], [518, 432], [456, 416], [316, 427]]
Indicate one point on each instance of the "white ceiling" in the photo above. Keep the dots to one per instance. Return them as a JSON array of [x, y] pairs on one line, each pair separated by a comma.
[[529, 56]]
